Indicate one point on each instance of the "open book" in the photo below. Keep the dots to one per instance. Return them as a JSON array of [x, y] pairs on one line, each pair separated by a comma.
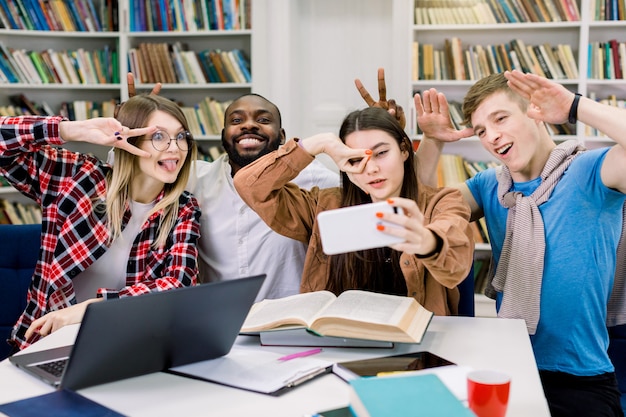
[[354, 314]]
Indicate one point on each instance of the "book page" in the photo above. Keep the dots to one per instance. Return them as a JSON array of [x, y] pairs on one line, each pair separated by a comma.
[[297, 309], [373, 316], [369, 307]]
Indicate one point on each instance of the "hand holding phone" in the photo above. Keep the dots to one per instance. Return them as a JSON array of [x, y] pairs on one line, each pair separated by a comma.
[[350, 229]]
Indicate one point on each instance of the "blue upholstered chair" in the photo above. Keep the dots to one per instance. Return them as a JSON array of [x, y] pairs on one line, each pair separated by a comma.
[[617, 352], [466, 300], [19, 249]]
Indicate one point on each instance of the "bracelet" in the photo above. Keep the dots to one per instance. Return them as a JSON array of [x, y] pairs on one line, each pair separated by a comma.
[[573, 111]]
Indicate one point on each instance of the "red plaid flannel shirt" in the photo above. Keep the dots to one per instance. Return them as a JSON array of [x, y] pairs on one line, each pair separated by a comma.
[[67, 185]]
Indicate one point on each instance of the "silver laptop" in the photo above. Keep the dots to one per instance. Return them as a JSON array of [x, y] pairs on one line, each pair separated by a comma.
[[139, 335]]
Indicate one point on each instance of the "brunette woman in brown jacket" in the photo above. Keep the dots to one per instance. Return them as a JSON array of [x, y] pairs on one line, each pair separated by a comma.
[[375, 157]]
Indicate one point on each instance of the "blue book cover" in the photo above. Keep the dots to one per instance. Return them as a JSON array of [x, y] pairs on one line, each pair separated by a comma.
[[23, 13], [212, 75], [142, 14], [164, 9], [204, 63], [212, 14], [34, 12], [61, 403], [75, 15], [510, 13], [407, 396], [6, 69], [7, 11], [244, 64]]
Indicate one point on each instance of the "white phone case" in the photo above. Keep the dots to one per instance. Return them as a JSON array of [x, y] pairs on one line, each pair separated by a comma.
[[350, 229]]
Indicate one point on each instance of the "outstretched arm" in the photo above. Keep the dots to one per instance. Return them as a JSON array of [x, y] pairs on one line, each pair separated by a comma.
[[54, 320], [433, 118], [551, 102], [390, 105]]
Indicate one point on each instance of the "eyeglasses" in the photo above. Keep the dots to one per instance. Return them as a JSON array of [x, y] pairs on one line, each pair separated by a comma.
[[161, 140]]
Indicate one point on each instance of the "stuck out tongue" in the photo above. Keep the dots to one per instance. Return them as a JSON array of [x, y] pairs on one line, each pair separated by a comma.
[[168, 165]]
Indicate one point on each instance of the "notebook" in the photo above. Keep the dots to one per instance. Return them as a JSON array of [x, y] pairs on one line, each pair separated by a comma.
[[259, 371], [139, 335]]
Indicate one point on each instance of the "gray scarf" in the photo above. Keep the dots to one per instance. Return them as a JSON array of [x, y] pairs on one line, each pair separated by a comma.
[[524, 244], [616, 309]]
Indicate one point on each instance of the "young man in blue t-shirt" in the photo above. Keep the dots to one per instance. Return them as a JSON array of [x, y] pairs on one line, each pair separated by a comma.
[[554, 216]]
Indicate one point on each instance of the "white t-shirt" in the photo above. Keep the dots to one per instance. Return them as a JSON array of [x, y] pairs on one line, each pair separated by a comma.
[[109, 271], [236, 243]]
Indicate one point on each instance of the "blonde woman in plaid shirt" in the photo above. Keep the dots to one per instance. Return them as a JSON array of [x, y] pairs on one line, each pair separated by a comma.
[[107, 232]]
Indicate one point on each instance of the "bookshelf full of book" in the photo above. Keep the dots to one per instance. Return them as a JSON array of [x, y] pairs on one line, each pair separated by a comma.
[[451, 44], [70, 57], [575, 42]]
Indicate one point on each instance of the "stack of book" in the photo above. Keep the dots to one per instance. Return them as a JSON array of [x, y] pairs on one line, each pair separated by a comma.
[[607, 60], [21, 105], [473, 62], [611, 100], [178, 15], [52, 67], [173, 63], [437, 12], [607, 10], [59, 15], [18, 213]]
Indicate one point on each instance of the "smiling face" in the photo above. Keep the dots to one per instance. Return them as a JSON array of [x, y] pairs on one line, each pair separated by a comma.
[[383, 175], [516, 140], [252, 128], [162, 167]]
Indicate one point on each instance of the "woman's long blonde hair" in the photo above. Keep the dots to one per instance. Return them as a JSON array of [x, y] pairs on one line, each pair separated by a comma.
[[135, 113]]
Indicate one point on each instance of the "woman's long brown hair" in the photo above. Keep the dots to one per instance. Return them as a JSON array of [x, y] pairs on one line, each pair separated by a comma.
[[367, 269]]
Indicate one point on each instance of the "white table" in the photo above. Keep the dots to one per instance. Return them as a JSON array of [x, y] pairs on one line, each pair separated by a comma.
[[475, 342]]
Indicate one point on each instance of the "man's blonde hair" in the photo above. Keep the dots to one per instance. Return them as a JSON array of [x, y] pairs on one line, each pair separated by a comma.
[[486, 87]]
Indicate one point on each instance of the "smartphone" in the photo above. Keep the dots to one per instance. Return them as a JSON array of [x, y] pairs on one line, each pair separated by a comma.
[[353, 228], [416, 361]]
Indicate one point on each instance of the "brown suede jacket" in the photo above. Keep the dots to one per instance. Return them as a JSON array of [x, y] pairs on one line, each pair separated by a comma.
[[264, 185]]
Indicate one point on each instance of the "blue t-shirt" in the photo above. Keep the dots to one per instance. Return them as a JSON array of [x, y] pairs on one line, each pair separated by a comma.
[[582, 223]]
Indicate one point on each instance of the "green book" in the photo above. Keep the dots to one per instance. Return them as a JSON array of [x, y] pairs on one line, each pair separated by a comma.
[[406, 396]]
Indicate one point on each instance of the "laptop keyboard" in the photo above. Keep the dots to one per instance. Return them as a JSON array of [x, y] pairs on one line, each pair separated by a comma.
[[54, 368]]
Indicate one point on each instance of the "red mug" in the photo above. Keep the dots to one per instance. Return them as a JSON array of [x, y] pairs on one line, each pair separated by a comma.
[[488, 392]]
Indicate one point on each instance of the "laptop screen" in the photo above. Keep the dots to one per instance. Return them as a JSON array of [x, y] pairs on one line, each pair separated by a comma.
[[149, 333]]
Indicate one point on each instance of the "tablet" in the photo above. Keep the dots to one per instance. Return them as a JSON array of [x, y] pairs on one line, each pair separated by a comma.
[[353, 228], [416, 361]]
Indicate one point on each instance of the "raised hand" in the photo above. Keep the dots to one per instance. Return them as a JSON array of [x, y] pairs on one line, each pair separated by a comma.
[[130, 80], [347, 159], [104, 131], [548, 101], [433, 117], [390, 105]]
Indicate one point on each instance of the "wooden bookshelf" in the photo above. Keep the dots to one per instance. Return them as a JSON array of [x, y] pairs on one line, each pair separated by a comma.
[[578, 26], [106, 40], [491, 28], [99, 50]]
